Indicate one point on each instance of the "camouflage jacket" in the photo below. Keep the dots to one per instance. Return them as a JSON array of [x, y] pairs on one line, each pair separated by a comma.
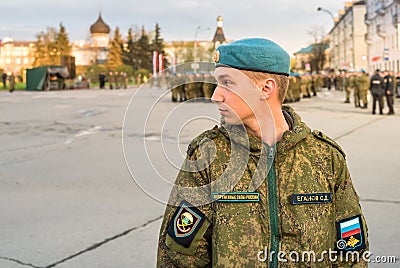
[[305, 203]]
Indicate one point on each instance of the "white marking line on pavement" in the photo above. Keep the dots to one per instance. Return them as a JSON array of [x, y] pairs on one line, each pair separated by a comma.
[[89, 131]]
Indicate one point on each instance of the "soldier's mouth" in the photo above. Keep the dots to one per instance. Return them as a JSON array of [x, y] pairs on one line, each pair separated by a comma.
[[223, 111]]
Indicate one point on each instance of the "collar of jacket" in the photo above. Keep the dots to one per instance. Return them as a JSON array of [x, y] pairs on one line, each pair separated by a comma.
[[297, 132]]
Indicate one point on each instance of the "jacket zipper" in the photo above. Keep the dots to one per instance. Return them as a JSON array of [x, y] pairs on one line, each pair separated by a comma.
[[273, 212]]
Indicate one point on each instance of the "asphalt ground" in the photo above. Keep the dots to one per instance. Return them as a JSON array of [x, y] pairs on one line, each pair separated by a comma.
[[67, 198]]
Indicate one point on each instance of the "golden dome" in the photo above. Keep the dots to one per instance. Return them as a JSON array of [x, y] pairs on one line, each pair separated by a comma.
[[100, 26]]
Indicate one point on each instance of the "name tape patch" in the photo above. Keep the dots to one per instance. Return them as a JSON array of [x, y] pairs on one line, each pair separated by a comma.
[[238, 197], [350, 234], [314, 198]]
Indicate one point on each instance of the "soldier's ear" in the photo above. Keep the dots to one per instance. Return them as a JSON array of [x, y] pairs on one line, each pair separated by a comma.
[[269, 87]]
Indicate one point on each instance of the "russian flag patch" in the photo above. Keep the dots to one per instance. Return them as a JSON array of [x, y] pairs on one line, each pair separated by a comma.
[[350, 234]]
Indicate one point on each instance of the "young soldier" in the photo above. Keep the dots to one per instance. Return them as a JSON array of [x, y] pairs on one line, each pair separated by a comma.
[[263, 184]]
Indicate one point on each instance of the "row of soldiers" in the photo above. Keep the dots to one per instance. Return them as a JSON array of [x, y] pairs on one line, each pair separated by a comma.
[[191, 86], [115, 80], [358, 82], [303, 86]]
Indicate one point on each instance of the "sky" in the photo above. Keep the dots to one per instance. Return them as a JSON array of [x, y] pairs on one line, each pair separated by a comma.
[[287, 22]]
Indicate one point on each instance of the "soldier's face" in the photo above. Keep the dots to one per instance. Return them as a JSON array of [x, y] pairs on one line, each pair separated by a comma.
[[237, 97]]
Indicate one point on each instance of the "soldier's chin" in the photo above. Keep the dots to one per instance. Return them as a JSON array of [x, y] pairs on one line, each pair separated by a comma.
[[230, 121]]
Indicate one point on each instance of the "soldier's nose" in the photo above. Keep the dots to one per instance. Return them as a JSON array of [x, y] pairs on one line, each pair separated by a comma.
[[216, 96]]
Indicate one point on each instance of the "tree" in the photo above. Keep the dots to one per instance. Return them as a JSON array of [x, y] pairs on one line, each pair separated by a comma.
[[39, 53], [143, 54], [115, 50], [46, 50], [158, 42], [50, 46], [128, 53], [62, 42], [317, 58]]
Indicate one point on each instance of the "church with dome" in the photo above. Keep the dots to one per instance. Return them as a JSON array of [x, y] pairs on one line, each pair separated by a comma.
[[96, 51]]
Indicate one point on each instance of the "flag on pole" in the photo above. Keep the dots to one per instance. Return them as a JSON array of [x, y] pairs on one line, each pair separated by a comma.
[[155, 63], [173, 63], [160, 62]]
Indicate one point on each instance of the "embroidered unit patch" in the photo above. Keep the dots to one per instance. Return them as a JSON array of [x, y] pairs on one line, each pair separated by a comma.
[[185, 223], [350, 234]]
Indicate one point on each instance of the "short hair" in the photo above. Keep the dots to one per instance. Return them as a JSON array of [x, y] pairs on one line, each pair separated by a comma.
[[281, 80]]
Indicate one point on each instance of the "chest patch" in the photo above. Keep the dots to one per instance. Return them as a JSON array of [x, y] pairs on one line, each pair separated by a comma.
[[314, 198], [238, 197]]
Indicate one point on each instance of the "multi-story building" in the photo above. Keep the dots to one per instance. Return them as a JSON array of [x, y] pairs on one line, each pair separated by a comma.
[[15, 56], [382, 37], [348, 49]]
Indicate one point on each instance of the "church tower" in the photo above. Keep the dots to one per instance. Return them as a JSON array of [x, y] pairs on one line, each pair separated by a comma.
[[100, 33], [219, 37]]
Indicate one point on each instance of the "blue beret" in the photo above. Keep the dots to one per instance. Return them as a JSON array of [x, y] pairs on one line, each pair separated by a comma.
[[254, 54]]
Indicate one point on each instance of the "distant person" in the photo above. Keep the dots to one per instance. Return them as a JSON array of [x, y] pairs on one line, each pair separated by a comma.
[[4, 78], [346, 86], [376, 87], [111, 80], [363, 83], [125, 80], [398, 85], [12, 82], [389, 91], [139, 80], [117, 80], [102, 79]]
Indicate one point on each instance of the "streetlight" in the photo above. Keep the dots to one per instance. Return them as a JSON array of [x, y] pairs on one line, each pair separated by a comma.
[[198, 29], [327, 11]]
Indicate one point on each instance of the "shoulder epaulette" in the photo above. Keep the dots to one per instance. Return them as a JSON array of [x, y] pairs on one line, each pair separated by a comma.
[[208, 134], [321, 136]]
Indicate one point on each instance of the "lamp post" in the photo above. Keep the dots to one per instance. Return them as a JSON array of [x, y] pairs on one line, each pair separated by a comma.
[[328, 12], [198, 29]]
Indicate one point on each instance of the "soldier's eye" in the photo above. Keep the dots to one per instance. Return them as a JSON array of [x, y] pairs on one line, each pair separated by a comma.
[[227, 83]]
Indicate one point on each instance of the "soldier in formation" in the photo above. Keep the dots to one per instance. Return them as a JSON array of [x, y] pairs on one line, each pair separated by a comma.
[[111, 80], [346, 86], [191, 86], [362, 83]]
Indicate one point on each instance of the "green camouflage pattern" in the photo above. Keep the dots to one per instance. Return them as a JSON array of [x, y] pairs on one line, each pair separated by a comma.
[[363, 84], [305, 162]]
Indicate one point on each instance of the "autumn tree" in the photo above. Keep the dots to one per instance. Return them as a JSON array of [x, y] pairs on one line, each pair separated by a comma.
[[45, 48], [115, 51], [50, 46]]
